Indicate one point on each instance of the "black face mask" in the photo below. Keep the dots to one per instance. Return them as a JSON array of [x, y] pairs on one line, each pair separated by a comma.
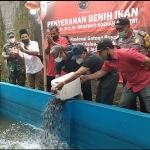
[[26, 41], [55, 38], [109, 57]]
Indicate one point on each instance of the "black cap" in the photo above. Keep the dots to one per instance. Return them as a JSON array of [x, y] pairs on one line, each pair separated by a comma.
[[103, 43], [121, 22], [77, 50], [23, 31]]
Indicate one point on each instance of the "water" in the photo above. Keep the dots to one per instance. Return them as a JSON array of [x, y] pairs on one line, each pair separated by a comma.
[[17, 135], [53, 123]]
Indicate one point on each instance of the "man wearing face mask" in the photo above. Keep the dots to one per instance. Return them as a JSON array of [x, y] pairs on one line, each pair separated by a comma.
[[134, 66], [90, 64], [64, 62], [15, 65], [34, 67], [130, 38], [53, 39]]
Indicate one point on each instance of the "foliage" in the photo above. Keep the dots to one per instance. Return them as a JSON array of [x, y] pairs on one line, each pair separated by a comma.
[[24, 20], [1, 32]]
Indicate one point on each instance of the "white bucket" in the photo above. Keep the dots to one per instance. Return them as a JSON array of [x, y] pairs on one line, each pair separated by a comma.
[[69, 90]]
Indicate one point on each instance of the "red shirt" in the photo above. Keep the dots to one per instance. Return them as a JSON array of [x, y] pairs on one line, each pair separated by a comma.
[[130, 63], [50, 70]]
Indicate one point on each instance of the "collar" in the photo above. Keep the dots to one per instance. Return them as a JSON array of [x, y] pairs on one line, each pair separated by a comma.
[[115, 55]]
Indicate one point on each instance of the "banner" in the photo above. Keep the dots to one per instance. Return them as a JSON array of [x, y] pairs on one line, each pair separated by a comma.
[[86, 22]]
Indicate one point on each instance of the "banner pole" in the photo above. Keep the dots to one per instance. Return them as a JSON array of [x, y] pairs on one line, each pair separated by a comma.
[[43, 51]]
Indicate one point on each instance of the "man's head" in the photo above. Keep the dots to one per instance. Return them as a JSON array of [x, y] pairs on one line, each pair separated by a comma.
[[122, 26], [54, 32], [104, 47], [10, 37], [79, 53], [57, 53], [24, 36]]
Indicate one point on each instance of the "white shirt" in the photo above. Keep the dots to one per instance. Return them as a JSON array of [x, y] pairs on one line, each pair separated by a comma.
[[33, 63]]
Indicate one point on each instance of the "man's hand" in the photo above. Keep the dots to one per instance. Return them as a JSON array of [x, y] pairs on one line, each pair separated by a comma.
[[53, 91], [13, 52], [59, 85], [21, 45], [10, 51], [83, 78], [49, 39]]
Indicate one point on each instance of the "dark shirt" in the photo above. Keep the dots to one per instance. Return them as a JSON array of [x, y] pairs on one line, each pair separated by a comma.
[[67, 65], [94, 63], [69, 48]]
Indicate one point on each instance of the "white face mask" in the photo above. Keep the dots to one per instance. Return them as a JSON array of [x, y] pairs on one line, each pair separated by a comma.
[[58, 59], [79, 60], [12, 40]]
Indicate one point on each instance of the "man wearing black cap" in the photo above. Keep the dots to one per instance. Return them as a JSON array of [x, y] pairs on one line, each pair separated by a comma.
[[66, 64], [130, 38], [15, 65], [135, 68], [90, 64], [34, 66]]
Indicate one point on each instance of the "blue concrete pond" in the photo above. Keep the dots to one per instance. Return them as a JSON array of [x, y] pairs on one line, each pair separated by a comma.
[[90, 125]]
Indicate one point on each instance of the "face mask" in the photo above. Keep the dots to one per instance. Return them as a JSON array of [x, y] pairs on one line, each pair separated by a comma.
[[58, 59], [109, 57], [12, 40], [79, 60], [55, 38], [122, 34], [26, 41]]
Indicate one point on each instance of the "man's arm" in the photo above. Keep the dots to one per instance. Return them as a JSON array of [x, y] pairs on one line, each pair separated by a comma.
[[95, 75], [16, 52], [29, 52], [52, 43], [147, 62], [58, 69], [47, 50], [5, 56], [78, 73]]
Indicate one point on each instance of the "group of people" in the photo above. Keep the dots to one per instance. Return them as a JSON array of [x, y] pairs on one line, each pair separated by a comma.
[[129, 56], [23, 61]]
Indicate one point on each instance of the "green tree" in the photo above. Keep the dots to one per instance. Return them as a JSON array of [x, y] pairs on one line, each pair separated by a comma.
[[1, 32], [24, 20]]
